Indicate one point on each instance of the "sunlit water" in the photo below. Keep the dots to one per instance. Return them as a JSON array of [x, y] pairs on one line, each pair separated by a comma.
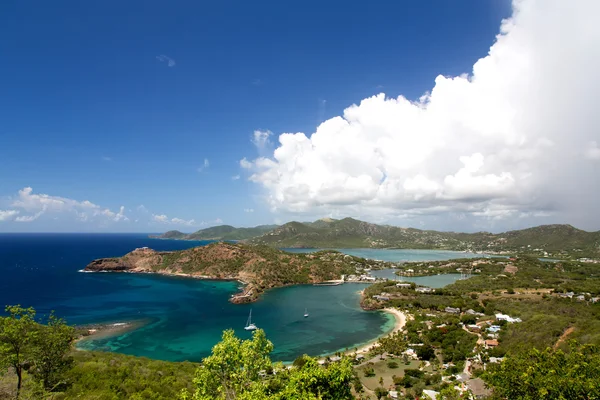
[[181, 318]]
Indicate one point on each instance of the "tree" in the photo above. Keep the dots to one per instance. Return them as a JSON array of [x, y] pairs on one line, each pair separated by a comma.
[[449, 393], [548, 374], [49, 352], [235, 368], [17, 331]]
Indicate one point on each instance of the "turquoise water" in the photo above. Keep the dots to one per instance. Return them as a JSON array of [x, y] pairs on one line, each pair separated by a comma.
[[399, 255], [434, 281], [183, 318]]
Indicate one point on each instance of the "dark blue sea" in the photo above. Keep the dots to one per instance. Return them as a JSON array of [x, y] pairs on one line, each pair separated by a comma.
[[180, 318]]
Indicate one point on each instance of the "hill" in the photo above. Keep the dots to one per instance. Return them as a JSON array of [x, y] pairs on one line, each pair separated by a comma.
[[545, 240], [259, 267], [221, 232]]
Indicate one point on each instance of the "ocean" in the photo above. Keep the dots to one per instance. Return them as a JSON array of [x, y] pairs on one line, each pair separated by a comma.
[[180, 318]]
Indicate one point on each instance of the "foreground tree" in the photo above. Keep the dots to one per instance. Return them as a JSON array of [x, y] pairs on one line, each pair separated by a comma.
[[17, 331], [49, 352], [237, 369], [549, 374]]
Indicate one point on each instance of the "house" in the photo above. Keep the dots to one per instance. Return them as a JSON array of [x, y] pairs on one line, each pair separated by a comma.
[[504, 317], [470, 311], [381, 298], [491, 343], [403, 285], [424, 290], [335, 358], [452, 310], [474, 328], [495, 360], [430, 394], [393, 394], [494, 329]]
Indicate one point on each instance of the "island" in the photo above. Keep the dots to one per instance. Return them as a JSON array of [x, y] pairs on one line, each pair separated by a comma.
[[258, 268]]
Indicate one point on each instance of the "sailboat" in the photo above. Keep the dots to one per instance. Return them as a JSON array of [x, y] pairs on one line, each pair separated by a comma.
[[305, 313], [249, 325]]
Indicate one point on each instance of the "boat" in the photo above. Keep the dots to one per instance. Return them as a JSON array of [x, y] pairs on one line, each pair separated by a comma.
[[249, 325], [305, 313]]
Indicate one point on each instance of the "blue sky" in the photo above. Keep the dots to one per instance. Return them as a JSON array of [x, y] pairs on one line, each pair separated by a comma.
[[155, 103]]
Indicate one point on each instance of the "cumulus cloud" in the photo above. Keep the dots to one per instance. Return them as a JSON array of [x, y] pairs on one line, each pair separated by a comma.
[[163, 219], [244, 163], [504, 140], [261, 140], [166, 59], [36, 205], [29, 218], [7, 215], [235, 177]]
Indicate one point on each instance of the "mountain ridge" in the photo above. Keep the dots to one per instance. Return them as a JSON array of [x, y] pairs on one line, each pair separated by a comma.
[[543, 240]]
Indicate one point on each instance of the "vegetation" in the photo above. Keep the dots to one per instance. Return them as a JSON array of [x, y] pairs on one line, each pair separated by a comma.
[[29, 347], [261, 267], [546, 240], [221, 232], [548, 374]]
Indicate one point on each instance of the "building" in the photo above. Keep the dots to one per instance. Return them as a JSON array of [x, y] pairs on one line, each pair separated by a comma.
[[424, 290], [430, 394], [491, 343], [403, 285], [504, 317], [452, 310], [393, 394]]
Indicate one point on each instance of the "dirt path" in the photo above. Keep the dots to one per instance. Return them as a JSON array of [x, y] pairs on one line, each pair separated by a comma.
[[564, 336]]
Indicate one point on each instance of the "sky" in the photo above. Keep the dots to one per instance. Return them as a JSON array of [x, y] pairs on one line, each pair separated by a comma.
[[147, 116]]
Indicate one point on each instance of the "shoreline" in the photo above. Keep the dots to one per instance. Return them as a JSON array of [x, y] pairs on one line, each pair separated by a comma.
[[364, 348]]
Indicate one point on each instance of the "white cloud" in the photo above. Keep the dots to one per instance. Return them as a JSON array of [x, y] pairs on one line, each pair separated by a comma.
[[85, 210], [593, 151], [160, 218], [235, 177], [204, 165], [183, 221], [261, 140], [30, 218], [163, 219], [218, 221], [249, 210], [162, 58], [7, 215], [504, 140], [244, 163]]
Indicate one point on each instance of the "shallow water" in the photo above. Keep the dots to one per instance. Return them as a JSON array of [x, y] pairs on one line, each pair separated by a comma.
[[184, 317]]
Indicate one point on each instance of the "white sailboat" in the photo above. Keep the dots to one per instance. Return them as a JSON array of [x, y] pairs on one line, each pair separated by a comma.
[[249, 325], [305, 313]]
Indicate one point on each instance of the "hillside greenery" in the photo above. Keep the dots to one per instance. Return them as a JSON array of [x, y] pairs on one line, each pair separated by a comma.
[[546, 240], [220, 232]]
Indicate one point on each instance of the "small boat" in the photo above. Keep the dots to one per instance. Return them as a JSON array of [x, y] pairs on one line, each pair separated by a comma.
[[305, 313], [249, 325]]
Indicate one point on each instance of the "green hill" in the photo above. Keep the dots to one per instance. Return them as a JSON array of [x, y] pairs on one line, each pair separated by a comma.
[[221, 232], [545, 240]]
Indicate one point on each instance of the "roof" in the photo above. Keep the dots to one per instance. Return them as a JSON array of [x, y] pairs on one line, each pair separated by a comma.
[[491, 342]]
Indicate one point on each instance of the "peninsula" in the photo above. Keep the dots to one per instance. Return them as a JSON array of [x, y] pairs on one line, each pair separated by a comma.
[[258, 267]]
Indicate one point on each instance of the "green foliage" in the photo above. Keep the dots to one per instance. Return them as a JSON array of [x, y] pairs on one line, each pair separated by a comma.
[[548, 374], [17, 332], [392, 364], [369, 372], [236, 369], [49, 352]]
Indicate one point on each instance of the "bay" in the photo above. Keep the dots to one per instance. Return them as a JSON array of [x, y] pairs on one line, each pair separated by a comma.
[[179, 318]]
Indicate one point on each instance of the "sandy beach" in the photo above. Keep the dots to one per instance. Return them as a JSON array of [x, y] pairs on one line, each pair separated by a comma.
[[400, 322]]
